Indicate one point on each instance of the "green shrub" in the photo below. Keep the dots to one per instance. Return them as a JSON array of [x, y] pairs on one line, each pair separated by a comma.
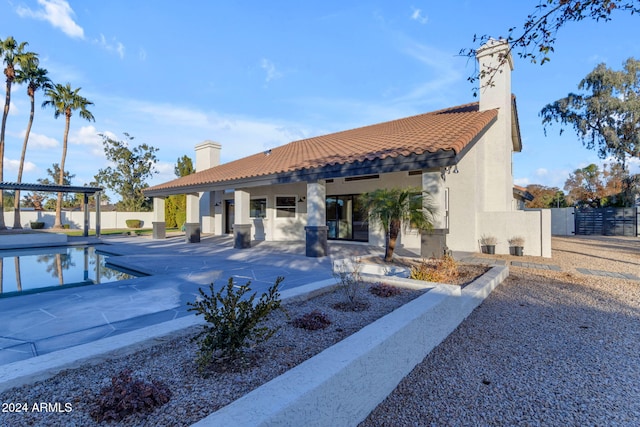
[[37, 225], [181, 218], [233, 322], [134, 223], [66, 226]]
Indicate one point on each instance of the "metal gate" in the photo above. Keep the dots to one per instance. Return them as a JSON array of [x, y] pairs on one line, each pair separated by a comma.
[[607, 222]]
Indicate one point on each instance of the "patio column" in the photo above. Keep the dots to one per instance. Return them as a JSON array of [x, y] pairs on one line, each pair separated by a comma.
[[316, 228], [434, 243], [242, 223], [218, 210], [159, 225], [192, 224], [85, 201], [98, 214]]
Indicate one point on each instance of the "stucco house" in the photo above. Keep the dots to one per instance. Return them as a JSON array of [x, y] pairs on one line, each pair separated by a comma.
[[308, 189]]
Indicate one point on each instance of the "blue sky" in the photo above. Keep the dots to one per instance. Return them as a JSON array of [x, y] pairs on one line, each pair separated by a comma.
[[253, 75]]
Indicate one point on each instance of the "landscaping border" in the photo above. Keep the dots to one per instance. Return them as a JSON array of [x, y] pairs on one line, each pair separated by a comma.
[[344, 383]]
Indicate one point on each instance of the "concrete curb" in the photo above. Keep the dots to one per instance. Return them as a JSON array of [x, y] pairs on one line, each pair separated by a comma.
[[344, 383]]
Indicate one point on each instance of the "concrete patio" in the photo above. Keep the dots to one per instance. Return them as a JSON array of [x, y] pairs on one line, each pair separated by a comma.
[[41, 323]]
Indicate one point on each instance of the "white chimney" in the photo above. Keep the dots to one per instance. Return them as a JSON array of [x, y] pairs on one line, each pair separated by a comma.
[[495, 65], [207, 155], [496, 147]]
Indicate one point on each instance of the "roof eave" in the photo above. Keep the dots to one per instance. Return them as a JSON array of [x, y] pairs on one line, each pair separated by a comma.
[[515, 127]]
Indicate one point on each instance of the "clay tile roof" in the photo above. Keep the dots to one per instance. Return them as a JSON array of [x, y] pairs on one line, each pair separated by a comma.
[[522, 192], [448, 129]]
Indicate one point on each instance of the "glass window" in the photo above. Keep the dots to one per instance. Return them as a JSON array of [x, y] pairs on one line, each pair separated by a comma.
[[285, 207], [258, 208]]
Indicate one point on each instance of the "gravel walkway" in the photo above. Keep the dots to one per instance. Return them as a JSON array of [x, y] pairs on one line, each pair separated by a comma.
[[546, 348]]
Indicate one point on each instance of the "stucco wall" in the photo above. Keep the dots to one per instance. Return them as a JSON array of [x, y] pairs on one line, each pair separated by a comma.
[[76, 219], [563, 221], [534, 226]]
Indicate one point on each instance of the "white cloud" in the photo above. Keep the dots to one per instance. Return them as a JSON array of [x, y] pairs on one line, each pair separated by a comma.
[[112, 46], [419, 17], [142, 54], [270, 68], [37, 140], [86, 135], [13, 165], [523, 182], [58, 13], [542, 172]]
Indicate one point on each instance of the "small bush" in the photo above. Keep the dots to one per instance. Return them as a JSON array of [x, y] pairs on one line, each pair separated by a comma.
[[312, 321], [348, 275], [384, 291], [134, 223], [66, 226], [442, 270], [37, 225], [488, 240], [516, 241], [127, 395], [233, 322]]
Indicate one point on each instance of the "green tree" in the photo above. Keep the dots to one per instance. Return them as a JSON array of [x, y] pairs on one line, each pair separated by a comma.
[[53, 177], [12, 54], [184, 166], [132, 167], [587, 187], [537, 36], [607, 115], [175, 207], [397, 208], [65, 100], [35, 78], [546, 197]]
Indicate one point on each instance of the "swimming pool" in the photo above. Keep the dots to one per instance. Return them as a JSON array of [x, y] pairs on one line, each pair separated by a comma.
[[39, 269]]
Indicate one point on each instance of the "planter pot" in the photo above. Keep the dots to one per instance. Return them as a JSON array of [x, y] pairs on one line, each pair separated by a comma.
[[489, 249]]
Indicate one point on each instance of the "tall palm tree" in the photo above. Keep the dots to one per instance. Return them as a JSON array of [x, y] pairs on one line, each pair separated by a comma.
[[396, 208], [11, 53], [65, 100], [36, 78]]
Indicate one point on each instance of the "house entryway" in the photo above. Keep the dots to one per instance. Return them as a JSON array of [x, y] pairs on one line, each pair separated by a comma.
[[345, 219]]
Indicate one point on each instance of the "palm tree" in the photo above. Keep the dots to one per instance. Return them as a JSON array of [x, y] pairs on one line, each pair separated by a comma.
[[36, 78], [11, 53], [396, 208], [65, 100]]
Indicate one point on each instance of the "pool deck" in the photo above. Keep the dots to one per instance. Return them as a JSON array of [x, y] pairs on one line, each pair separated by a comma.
[[41, 323]]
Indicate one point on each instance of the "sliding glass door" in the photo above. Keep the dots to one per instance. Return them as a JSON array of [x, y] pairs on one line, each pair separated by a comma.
[[345, 219]]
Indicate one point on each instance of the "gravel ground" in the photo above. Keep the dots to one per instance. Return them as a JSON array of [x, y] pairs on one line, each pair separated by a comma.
[[544, 349], [194, 397]]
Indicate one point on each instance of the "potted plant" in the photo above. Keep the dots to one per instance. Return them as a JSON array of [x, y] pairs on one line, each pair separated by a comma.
[[488, 244], [516, 245]]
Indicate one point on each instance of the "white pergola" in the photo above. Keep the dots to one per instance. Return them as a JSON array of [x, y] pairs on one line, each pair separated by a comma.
[[54, 188]]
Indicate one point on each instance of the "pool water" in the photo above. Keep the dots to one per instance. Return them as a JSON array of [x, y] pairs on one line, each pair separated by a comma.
[[39, 269]]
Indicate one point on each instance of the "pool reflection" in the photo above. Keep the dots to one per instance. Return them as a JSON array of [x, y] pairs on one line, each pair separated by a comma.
[[42, 268]]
